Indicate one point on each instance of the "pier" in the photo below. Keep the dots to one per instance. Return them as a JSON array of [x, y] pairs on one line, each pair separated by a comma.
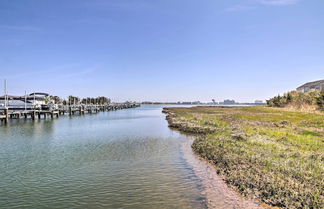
[[9, 113]]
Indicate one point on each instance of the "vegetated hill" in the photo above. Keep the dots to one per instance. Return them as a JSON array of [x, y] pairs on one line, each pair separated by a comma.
[[312, 100]]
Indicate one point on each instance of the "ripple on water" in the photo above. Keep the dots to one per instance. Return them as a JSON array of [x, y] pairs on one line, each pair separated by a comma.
[[122, 159]]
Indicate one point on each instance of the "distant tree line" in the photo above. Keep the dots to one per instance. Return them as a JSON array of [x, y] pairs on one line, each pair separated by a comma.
[[76, 100], [298, 99], [98, 100]]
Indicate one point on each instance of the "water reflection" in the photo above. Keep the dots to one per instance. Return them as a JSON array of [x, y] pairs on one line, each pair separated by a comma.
[[120, 159]]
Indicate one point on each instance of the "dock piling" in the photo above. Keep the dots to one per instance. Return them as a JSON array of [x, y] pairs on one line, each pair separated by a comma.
[[16, 113], [6, 112]]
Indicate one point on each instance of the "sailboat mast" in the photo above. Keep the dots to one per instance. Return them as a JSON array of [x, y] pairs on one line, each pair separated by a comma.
[[25, 101]]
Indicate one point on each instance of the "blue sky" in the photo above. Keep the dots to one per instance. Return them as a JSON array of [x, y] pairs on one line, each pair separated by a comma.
[[161, 50]]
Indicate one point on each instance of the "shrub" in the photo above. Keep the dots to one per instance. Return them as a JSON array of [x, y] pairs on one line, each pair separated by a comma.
[[320, 100], [298, 99]]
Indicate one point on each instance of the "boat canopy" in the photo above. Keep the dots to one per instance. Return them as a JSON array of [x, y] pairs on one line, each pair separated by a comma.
[[39, 94]]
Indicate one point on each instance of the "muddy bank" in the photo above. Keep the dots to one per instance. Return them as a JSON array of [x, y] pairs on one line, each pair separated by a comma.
[[217, 193]]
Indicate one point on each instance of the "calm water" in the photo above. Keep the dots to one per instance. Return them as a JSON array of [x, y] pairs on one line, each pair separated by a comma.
[[122, 159]]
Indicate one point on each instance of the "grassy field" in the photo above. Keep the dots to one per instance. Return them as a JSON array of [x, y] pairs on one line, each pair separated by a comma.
[[272, 154]]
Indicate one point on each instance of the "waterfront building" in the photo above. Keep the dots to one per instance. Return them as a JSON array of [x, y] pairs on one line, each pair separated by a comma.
[[315, 85], [258, 102], [229, 102]]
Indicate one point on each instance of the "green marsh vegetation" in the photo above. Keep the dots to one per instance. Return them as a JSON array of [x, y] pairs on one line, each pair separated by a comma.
[[273, 154]]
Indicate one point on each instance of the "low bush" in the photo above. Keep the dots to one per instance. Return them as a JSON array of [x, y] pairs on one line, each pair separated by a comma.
[[298, 100]]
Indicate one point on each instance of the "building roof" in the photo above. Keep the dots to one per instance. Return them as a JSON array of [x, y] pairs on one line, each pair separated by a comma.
[[313, 83]]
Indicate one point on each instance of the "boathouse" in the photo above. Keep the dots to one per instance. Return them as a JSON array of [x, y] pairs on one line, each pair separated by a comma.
[[32, 100]]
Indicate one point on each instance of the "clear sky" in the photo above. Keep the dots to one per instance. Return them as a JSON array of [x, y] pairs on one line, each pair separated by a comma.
[[161, 50]]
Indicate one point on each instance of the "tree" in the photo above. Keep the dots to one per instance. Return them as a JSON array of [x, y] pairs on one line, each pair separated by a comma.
[[73, 100], [56, 99], [320, 100], [289, 98]]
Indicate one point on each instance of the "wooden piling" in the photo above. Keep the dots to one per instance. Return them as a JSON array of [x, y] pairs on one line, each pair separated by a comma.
[[6, 112]]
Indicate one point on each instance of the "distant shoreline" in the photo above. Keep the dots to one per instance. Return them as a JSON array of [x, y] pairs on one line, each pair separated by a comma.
[[206, 104]]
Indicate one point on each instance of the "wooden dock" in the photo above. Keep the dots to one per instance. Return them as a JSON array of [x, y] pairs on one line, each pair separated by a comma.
[[9, 113]]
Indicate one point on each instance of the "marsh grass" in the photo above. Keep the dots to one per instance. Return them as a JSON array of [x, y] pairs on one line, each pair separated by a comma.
[[272, 154]]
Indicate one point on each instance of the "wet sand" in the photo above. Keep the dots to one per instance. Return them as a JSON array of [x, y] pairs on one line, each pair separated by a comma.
[[217, 193]]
